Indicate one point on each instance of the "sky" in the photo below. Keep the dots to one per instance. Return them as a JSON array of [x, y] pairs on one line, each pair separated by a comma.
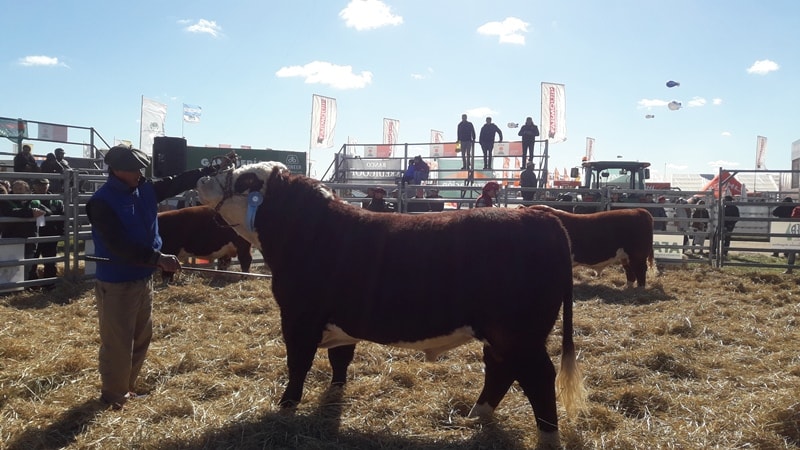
[[253, 66]]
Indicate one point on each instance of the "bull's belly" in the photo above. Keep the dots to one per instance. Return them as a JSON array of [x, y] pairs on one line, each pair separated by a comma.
[[619, 258], [334, 336]]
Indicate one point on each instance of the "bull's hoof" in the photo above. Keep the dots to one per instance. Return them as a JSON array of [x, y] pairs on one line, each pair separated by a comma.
[[287, 404], [548, 440], [482, 412]]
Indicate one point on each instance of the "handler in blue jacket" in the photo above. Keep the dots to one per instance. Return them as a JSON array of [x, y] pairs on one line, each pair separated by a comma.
[[123, 214]]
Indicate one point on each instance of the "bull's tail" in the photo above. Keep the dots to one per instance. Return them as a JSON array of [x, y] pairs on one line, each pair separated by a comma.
[[569, 382], [650, 257]]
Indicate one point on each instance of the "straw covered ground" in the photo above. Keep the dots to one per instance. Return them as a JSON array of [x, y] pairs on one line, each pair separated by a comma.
[[701, 358]]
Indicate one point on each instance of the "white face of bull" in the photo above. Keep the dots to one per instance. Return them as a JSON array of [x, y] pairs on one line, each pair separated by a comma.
[[222, 187]]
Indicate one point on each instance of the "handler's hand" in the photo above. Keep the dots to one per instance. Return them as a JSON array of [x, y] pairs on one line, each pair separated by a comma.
[[169, 263]]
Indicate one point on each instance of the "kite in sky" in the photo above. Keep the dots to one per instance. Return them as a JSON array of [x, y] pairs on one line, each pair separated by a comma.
[[674, 106], [649, 116], [672, 84]]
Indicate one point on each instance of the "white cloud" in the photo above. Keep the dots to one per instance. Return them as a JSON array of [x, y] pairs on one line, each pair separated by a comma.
[[419, 76], [368, 14], [725, 134], [40, 60], [652, 103], [509, 30], [480, 112], [319, 72], [763, 67], [716, 101], [722, 163], [205, 26], [696, 101]]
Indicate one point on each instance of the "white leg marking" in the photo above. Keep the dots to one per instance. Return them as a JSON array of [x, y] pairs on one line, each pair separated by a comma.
[[481, 411]]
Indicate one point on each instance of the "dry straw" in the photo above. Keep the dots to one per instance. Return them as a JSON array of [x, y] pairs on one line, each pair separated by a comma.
[[701, 358]]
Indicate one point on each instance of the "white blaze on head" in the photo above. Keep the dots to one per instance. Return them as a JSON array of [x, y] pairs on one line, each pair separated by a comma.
[[212, 190]]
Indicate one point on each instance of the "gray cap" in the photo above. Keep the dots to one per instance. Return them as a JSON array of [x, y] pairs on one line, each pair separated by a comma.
[[41, 181], [126, 158]]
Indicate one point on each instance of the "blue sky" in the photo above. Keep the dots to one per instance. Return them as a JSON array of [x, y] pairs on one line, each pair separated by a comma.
[[253, 65]]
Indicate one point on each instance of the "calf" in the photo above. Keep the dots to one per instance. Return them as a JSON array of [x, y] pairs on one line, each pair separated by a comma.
[[199, 231], [623, 236]]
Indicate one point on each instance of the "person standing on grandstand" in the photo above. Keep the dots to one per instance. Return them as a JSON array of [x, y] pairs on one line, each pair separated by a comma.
[[466, 138], [486, 139]]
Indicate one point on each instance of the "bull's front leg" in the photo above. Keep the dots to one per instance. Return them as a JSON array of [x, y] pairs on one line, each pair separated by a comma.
[[340, 359], [301, 346]]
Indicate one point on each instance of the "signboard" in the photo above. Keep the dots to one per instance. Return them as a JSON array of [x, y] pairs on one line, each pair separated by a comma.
[[667, 247], [377, 170], [202, 156], [785, 242]]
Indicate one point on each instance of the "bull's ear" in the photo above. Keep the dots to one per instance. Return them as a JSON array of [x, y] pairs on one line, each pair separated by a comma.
[[278, 177]]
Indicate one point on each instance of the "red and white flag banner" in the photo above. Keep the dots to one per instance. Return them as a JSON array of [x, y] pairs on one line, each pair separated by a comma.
[[49, 132], [323, 121], [761, 151], [589, 149], [554, 113], [437, 144]]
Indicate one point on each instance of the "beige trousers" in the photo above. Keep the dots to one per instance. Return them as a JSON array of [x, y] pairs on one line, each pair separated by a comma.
[[126, 328]]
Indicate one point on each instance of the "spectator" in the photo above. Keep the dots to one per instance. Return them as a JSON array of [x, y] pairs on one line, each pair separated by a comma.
[[466, 139], [585, 207], [486, 139], [615, 200], [700, 225], [127, 236], [435, 206], [682, 216], [527, 180], [51, 207], [53, 165], [731, 216], [378, 203], [24, 160], [490, 190], [529, 132], [421, 170], [417, 203], [657, 212], [791, 254], [23, 209], [783, 212]]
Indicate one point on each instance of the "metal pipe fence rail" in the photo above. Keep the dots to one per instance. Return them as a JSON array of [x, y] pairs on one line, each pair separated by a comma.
[[757, 235]]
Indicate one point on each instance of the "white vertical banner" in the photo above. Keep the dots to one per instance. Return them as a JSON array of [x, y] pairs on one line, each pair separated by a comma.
[[589, 149], [323, 121], [554, 113], [437, 146], [761, 151], [154, 114]]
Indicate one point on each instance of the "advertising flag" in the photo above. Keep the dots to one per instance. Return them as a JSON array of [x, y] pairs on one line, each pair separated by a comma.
[[50, 132], [154, 114], [437, 144], [589, 149], [323, 121], [761, 151], [554, 127], [191, 113], [391, 129]]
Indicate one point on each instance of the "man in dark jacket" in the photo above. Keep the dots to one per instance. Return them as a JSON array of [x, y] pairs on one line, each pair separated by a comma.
[[731, 216], [123, 214], [528, 132], [527, 179], [466, 139], [24, 160], [56, 164], [51, 207], [486, 139]]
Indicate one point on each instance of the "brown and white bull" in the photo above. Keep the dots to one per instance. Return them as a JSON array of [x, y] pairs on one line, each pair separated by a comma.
[[200, 232], [335, 269], [620, 236]]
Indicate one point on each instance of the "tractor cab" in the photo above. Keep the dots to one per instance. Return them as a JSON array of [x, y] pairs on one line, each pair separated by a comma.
[[619, 174]]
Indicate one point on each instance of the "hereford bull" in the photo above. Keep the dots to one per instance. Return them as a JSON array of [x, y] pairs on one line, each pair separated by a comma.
[[623, 236], [199, 231], [335, 269]]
